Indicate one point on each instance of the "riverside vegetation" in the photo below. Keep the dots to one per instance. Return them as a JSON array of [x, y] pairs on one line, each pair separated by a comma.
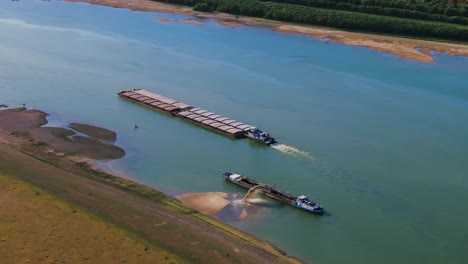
[[441, 19]]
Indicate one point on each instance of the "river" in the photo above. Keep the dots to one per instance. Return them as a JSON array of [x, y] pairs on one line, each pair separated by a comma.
[[380, 141]]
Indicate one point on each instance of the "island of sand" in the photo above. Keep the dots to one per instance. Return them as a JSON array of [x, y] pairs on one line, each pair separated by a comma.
[[55, 207]]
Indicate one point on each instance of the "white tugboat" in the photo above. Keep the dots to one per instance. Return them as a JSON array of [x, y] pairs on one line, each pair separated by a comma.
[[305, 203], [259, 135]]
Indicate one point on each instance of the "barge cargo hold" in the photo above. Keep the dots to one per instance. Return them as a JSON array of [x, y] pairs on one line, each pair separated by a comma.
[[301, 202], [197, 115]]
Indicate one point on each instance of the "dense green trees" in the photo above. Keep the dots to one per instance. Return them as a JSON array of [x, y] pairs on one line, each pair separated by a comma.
[[434, 10], [202, 7], [387, 21]]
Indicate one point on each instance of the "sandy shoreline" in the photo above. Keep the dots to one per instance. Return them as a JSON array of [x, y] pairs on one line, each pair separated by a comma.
[[403, 47], [162, 223]]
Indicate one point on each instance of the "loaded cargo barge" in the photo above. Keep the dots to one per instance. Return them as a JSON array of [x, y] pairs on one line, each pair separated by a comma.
[[197, 115], [301, 202]]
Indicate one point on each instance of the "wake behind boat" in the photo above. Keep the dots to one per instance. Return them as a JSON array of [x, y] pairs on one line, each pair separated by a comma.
[[301, 202]]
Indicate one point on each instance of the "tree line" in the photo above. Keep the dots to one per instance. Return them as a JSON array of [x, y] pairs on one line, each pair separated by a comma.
[[433, 10], [306, 14]]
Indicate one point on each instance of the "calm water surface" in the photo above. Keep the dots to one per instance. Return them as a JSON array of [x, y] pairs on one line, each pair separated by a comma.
[[386, 137]]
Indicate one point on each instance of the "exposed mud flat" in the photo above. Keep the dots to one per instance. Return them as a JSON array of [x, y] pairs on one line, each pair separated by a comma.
[[229, 23], [97, 145], [94, 131], [183, 21], [21, 120]]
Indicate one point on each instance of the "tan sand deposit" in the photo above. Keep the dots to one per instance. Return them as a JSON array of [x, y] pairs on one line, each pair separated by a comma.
[[183, 21], [208, 203], [229, 23]]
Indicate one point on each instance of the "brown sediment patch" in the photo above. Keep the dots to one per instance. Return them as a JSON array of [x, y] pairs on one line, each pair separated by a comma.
[[402, 47], [28, 122], [38, 228], [95, 149], [183, 21], [95, 132], [21, 120], [64, 140], [229, 23], [208, 203]]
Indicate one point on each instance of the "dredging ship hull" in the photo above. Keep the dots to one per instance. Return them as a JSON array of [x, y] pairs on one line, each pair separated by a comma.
[[300, 202]]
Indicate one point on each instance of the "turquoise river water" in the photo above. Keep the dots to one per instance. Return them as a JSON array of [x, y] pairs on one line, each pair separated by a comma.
[[386, 138]]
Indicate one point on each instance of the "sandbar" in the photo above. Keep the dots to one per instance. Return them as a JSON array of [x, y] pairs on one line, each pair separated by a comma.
[[183, 21], [22, 121], [94, 131], [229, 23]]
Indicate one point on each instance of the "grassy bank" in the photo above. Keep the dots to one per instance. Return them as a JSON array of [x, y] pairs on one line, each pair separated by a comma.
[[39, 228]]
